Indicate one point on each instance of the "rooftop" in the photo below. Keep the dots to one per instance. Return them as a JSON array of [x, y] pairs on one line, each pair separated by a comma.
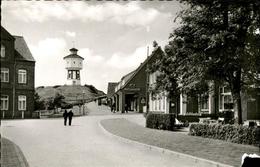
[[22, 49], [111, 88]]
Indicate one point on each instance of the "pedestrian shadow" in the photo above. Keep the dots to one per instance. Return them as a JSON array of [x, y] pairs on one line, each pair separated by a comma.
[[72, 125]]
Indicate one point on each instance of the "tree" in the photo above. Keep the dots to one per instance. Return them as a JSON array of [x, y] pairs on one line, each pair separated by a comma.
[[166, 83], [55, 102], [218, 40], [38, 103], [58, 100]]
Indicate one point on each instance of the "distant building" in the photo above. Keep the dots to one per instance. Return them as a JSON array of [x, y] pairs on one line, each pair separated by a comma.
[[110, 91], [17, 77], [74, 63]]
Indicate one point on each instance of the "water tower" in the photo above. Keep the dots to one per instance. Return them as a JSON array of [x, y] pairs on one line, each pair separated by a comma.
[[74, 64]]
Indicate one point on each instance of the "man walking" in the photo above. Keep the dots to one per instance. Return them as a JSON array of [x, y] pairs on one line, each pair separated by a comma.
[[70, 115], [114, 107], [65, 116]]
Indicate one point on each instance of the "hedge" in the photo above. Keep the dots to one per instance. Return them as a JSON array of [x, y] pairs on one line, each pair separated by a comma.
[[160, 121], [227, 115], [233, 133]]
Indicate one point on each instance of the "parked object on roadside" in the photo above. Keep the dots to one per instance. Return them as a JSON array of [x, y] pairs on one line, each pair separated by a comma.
[[250, 160], [65, 116], [70, 115], [179, 124]]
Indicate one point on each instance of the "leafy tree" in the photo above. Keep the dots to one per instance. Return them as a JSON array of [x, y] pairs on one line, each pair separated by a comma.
[[38, 103], [58, 100], [55, 102], [49, 103], [217, 40]]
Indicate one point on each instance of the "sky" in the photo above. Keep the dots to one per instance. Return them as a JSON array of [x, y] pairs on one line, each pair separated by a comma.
[[112, 37]]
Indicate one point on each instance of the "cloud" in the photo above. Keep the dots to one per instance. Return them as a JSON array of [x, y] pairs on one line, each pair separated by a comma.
[[130, 13], [97, 70], [124, 61], [70, 34], [49, 68], [148, 28], [90, 56]]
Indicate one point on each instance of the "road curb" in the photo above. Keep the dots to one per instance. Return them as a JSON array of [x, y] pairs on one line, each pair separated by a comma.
[[200, 162], [21, 160]]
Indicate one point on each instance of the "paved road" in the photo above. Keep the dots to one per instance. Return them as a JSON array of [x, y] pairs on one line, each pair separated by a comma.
[[47, 143]]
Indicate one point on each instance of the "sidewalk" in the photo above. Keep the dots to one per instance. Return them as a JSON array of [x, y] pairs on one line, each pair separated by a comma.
[[11, 155], [214, 150]]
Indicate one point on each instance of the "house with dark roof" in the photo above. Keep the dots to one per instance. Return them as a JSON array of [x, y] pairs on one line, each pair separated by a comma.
[[131, 92], [217, 101], [17, 77]]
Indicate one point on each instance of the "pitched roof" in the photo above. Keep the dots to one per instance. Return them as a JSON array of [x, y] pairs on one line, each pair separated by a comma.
[[5, 34], [73, 56], [128, 76], [22, 49], [111, 88], [154, 53]]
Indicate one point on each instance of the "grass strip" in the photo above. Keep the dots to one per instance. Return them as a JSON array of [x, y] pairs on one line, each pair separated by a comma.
[[211, 149]]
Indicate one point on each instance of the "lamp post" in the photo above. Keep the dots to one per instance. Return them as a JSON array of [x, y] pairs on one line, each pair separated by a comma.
[[83, 102]]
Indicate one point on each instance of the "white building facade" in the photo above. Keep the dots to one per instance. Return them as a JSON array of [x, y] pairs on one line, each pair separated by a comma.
[[191, 105], [157, 102]]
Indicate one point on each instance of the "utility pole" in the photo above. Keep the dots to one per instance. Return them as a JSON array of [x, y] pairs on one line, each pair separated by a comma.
[[83, 102], [147, 85]]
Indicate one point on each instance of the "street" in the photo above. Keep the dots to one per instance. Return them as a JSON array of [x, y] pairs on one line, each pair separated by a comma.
[[47, 142]]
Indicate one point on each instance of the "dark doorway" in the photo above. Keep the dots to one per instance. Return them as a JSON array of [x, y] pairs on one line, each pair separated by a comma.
[[131, 102]]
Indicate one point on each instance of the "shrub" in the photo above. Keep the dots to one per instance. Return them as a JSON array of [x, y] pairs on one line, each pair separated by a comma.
[[188, 118], [233, 133], [228, 116], [160, 121]]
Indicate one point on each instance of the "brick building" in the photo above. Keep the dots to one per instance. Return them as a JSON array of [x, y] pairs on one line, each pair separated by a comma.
[[17, 77], [131, 92], [218, 100]]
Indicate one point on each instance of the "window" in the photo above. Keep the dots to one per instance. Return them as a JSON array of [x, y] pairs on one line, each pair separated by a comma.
[[164, 101], [4, 102], [77, 75], [4, 75], [73, 74], [2, 50], [204, 102], [225, 99], [160, 102], [69, 74], [154, 78], [155, 103], [21, 102], [22, 76]]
